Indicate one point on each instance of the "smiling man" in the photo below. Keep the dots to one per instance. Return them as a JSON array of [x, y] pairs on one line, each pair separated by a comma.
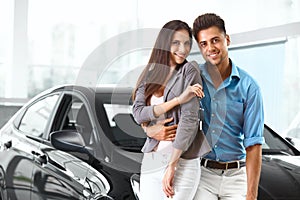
[[233, 121]]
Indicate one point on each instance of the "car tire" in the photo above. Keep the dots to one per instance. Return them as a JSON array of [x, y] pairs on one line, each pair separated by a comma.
[[101, 197]]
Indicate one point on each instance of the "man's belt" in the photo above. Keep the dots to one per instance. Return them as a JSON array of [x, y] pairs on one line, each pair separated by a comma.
[[222, 165]]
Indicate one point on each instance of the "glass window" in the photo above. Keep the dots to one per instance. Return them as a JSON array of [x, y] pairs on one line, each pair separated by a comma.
[[6, 41], [274, 144], [37, 115], [114, 109], [122, 130], [79, 117], [74, 116], [59, 44], [265, 63]]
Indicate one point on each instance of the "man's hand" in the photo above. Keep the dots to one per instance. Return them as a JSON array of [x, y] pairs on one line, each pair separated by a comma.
[[161, 132]]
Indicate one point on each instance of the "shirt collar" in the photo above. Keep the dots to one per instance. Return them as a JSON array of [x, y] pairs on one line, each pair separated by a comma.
[[234, 71]]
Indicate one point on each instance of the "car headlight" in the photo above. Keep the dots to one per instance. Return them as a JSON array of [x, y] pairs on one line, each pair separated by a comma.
[[135, 185]]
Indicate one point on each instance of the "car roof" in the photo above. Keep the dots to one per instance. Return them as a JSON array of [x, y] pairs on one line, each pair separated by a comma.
[[107, 94], [100, 89]]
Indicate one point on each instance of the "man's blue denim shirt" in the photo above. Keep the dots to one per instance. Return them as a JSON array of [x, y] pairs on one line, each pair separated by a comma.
[[233, 115]]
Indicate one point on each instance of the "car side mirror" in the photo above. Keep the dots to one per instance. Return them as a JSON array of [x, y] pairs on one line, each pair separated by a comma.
[[294, 133], [68, 140], [290, 140]]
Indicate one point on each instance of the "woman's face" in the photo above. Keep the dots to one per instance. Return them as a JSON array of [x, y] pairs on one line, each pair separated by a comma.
[[180, 47]]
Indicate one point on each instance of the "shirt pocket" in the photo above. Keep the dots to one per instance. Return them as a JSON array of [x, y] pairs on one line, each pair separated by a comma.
[[235, 113]]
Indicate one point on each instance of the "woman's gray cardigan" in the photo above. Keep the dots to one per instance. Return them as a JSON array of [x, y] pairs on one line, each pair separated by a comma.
[[188, 136]]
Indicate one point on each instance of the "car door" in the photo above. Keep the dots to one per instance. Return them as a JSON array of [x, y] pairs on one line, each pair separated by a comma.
[[19, 153], [49, 178], [74, 115], [58, 176]]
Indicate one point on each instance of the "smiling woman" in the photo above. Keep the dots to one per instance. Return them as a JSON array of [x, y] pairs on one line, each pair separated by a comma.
[[167, 89]]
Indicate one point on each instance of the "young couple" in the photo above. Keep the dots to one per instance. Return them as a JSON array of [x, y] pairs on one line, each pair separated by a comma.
[[180, 160]]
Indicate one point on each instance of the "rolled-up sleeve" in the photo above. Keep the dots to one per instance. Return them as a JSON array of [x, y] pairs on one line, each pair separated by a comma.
[[254, 118]]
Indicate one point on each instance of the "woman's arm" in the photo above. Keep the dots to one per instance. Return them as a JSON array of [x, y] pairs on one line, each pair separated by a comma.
[[187, 95], [143, 113], [170, 172]]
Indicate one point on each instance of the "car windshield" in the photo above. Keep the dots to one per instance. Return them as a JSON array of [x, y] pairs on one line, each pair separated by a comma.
[[275, 144]]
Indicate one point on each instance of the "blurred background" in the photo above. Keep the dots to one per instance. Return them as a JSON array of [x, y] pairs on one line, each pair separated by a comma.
[[44, 43]]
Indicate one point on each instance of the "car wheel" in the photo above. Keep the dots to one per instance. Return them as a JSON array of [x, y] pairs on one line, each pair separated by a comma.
[[2, 183], [101, 197]]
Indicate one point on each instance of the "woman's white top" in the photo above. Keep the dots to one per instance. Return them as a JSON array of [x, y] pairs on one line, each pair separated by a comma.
[[155, 101]]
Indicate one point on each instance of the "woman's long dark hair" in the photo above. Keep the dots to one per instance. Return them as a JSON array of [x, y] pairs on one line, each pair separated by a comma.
[[155, 73]]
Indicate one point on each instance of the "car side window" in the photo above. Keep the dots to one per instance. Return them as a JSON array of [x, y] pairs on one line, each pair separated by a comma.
[[80, 117], [274, 144], [124, 131], [35, 119], [75, 117]]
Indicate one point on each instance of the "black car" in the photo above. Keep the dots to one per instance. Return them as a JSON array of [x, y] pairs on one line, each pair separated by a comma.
[[62, 145], [280, 174], [93, 128]]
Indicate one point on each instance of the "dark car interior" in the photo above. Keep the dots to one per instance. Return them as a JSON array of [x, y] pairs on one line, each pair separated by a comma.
[[127, 132], [119, 127]]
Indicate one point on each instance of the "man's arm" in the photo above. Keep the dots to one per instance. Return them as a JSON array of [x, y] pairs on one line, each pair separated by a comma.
[[160, 132], [253, 168]]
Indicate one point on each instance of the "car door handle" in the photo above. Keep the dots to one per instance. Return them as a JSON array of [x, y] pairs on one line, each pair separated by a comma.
[[35, 153], [8, 144], [42, 159]]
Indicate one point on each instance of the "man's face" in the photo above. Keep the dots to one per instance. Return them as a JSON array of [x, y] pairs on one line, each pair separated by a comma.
[[213, 45]]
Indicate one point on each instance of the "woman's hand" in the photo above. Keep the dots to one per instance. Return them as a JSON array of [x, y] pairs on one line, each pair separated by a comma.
[[190, 92], [167, 181]]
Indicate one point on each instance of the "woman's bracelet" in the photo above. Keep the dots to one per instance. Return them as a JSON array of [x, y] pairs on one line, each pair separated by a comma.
[[177, 99], [144, 128]]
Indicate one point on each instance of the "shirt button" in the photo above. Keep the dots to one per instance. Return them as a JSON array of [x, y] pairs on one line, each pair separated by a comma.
[[216, 146], [212, 115], [214, 99], [213, 131]]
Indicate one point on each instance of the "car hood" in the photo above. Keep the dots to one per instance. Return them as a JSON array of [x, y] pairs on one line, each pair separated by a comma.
[[280, 178]]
